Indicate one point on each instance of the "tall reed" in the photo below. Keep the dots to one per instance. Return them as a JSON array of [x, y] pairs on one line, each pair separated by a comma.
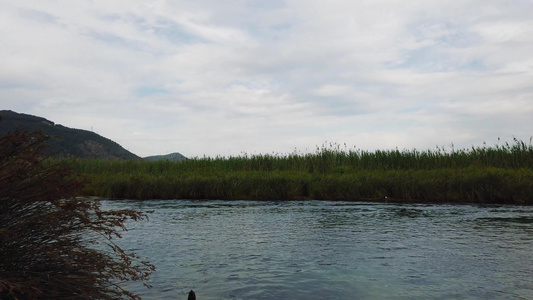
[[502, 173]]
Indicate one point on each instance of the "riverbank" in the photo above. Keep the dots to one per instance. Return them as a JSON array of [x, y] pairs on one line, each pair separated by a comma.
[[499, 174]]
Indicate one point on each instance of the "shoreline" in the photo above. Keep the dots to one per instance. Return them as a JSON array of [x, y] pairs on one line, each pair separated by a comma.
[[361, 201]]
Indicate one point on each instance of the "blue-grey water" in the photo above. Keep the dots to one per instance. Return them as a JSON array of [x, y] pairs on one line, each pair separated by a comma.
[[332, 250]]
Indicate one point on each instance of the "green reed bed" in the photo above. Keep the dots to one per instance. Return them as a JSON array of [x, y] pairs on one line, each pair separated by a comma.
[[499, 174]]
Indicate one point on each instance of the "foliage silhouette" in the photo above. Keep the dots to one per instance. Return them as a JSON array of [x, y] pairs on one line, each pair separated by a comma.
[[53, 244]]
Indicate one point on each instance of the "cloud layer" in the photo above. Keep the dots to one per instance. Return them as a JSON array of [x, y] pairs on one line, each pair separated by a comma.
[[224, 77]]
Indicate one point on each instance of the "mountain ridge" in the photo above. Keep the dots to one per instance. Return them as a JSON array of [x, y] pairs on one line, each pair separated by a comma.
[[176, 156], [64, 141]]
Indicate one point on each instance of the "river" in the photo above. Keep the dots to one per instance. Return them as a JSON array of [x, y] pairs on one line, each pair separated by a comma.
[[332, 250]]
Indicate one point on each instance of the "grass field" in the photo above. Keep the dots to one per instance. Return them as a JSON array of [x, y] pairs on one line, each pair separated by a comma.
[[497, 174]]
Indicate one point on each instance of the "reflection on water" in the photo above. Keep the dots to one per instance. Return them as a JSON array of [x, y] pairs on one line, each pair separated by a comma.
[[332, 250]]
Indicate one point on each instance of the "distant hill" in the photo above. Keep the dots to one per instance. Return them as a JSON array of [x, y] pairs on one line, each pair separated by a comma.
[[172, 156], [66, 142]]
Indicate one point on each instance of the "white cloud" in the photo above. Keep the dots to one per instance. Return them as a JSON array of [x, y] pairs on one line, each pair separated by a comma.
[[215, 77]]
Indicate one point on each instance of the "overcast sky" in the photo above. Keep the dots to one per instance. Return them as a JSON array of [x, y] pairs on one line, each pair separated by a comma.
[[226, 77]]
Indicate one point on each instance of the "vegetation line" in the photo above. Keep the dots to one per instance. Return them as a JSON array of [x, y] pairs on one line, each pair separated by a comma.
[[498, 174]]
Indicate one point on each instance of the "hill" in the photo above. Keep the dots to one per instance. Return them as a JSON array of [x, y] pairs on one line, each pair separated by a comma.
[[172, 157], [65, 141]]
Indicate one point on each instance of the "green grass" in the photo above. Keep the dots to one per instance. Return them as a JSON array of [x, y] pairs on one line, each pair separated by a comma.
[[499, 174]]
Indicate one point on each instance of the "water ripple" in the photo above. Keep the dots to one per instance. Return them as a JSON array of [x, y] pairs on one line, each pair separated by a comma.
[[336, 250]]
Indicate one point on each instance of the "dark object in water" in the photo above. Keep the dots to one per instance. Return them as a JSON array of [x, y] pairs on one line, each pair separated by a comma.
[[192, 295]]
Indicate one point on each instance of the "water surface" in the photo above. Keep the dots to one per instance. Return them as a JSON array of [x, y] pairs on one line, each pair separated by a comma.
[[335, 250]]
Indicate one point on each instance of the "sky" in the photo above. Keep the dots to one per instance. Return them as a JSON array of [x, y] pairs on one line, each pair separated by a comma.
[[245, 77]]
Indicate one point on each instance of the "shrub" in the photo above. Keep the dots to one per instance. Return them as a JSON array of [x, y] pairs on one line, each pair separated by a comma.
[[54, 245]]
